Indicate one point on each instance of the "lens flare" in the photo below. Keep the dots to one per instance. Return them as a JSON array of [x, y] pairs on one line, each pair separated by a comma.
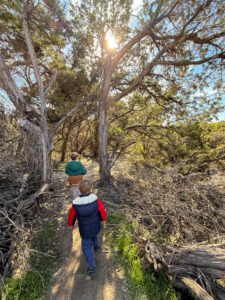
[[110, 40]]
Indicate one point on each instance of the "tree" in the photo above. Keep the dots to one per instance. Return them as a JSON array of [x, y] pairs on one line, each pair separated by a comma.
[[171, 28], [169, 38], [92, 20], [32, 110]]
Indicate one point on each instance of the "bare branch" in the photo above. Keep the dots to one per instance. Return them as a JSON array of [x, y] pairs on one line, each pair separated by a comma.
[[32, 200], [60, 122], [5, 214], [9, 85], [195, 62], [117, 155], [147, 164], [51, 82], [120, 116]]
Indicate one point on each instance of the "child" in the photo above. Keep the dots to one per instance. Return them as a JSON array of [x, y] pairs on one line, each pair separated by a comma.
[[89, 211], [75, 170]]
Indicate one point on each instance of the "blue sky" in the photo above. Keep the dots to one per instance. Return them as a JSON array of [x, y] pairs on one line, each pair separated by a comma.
[[210, 91]]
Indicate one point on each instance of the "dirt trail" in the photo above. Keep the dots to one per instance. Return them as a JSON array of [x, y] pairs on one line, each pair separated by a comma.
[[71, 281]]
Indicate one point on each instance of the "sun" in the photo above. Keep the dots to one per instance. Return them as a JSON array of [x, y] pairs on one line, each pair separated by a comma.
[[111, 40]]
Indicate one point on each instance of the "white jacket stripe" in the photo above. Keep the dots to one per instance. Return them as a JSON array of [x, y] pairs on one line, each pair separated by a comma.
[[85, 200]]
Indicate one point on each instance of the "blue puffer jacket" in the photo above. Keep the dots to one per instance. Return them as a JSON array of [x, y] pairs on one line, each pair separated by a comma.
[[90, 212]]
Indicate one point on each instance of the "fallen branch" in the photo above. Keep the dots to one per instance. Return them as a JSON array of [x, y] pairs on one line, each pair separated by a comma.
[[32, 200], [196, 268], [147, 164]]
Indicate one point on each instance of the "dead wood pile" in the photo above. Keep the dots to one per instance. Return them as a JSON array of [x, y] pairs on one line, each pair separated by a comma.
[[15, 211], [198, 268], [174, 208], [17, 194], [188, 211]]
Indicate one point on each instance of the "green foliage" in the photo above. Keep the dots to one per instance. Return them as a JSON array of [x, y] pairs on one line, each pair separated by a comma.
[[69, 90], [194, 144], [35, 281], [45, 26], [29, 287], [144, 285]]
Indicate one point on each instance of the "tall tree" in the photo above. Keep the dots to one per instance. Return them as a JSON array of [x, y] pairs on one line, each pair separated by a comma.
[[168, 38], [29, 52]]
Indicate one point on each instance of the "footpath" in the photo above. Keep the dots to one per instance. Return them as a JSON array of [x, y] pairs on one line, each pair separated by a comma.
[[70, 279]]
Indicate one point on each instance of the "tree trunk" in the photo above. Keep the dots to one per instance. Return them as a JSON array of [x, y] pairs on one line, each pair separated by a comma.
[[105, 170], [95, 143], [65, 142], [105, 176], [38, 147], [46, 155], [197, 268]]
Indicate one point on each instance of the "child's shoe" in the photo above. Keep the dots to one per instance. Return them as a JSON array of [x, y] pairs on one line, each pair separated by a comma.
[[97, 248], [91, 271]]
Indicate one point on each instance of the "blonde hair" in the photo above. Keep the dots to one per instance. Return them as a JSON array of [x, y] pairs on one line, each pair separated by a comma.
[[85, 186]]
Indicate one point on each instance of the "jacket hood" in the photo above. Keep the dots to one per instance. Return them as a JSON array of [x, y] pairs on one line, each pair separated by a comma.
[[86, 205], [85, 199]]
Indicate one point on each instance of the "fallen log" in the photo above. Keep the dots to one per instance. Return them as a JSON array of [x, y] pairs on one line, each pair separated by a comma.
[[32, 201], [196, 268]]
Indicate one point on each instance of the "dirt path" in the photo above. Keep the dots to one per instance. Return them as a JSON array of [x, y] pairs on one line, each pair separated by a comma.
[[71, 281]]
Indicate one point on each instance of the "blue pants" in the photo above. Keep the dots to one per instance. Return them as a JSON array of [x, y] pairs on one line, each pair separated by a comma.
[[87, 248]]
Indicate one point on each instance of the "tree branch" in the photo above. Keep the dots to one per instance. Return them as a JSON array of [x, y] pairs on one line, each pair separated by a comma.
[[120, 116], [197, 12], [51, 82], [34, 62], [189, 63], [147, 164], [144, 32], [61, 121], [9, 85], [147, 70]]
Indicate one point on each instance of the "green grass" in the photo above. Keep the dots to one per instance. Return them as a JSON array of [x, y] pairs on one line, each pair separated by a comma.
[[34, 282], [143, 282]]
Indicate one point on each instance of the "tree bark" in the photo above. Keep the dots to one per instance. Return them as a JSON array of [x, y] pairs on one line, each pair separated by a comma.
[[95, 141], [105, 176]]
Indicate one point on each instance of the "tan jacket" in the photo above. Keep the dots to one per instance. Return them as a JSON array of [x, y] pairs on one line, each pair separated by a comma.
[[75, 180]]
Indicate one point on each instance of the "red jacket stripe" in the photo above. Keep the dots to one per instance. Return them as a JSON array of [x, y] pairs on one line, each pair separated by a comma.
[[101, 209], [71, 217]]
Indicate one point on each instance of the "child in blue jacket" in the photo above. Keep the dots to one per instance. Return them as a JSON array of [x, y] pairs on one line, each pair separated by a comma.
[[89, 211]]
